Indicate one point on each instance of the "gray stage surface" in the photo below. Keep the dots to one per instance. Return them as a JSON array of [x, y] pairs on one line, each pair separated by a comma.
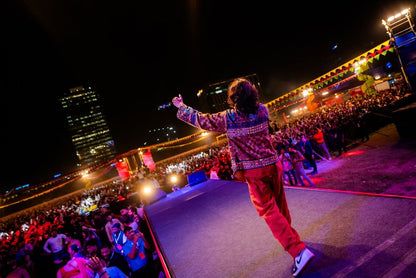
[[212, 230]]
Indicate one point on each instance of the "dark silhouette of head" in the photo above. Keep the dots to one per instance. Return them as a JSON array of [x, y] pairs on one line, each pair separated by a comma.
[[243, 96]]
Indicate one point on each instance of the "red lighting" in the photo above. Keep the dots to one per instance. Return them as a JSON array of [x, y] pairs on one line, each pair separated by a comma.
[[316, 180], [352, 153]]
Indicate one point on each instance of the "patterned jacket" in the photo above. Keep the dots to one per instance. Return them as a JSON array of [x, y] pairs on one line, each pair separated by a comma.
[[249, 141]]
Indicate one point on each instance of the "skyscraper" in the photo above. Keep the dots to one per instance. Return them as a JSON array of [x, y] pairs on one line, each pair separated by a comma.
[[89, 131]]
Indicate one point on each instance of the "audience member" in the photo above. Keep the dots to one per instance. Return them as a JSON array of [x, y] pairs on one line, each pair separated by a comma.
[[318, 136], [76, 267], [91, 248], [297, 160], [109, 226], [135, 254], [119, 238], [307, 151], [287, 166], [55, 245], [112, 258]]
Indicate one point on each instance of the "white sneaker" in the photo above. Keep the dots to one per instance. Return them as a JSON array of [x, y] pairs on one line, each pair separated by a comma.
[[301, 261]]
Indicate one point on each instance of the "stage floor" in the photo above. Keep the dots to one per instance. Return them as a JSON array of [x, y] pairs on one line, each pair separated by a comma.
[[212, 230]]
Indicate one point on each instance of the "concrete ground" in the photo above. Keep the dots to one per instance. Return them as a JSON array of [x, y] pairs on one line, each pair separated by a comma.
[[385, 164]]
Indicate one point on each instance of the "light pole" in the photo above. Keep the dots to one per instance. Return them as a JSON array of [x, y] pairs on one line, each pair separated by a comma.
[[399, 25]]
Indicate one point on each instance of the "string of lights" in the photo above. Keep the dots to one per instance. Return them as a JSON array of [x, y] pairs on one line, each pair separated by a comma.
[[164, 106]]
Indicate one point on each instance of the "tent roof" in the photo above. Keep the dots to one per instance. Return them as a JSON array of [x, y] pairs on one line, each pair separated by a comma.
[[338, 72]]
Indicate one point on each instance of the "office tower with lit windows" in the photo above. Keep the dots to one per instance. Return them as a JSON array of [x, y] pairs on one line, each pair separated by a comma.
[[87, 125], [213, 98]]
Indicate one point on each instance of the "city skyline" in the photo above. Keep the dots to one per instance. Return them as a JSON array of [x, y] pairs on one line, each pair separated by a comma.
[[139, 56], [87, 124]]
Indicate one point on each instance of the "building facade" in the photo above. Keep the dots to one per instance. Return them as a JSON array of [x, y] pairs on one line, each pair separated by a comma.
[[213, 98], [89, 130]]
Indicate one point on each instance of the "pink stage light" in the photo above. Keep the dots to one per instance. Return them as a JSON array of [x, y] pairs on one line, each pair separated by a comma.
[[352, 153], [316, 180]]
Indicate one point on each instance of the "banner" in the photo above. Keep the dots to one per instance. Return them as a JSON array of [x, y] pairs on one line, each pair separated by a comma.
[[123, 170], [284, 117], [148, 160]]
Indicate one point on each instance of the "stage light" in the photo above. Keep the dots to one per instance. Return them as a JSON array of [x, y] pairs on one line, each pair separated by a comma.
[[151, 195], [147, 190], [173, 179], [396, 16]]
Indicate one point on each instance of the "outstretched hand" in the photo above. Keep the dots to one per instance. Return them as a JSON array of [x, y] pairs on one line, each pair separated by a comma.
[[96, 264], [177, 100]]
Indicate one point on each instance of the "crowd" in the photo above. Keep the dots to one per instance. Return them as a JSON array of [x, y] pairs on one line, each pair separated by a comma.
[[60, 240], [63, 239], [302, 141]]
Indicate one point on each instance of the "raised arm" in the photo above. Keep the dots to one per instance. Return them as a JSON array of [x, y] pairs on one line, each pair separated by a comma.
[[212, 122]]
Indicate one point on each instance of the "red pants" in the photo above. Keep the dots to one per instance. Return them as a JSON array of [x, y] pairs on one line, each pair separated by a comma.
[[265, 186]]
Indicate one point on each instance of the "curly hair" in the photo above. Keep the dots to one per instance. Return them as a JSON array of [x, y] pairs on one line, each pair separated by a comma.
[[243, 96]]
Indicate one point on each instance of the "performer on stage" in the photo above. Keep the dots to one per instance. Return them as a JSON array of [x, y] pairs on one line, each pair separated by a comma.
[[254, 160]]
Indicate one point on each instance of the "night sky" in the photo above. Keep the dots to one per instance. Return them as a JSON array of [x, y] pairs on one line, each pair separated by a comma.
[[140, 54]]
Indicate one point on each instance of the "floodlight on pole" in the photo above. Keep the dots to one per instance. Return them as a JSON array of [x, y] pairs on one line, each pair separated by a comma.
[[396, 25]]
